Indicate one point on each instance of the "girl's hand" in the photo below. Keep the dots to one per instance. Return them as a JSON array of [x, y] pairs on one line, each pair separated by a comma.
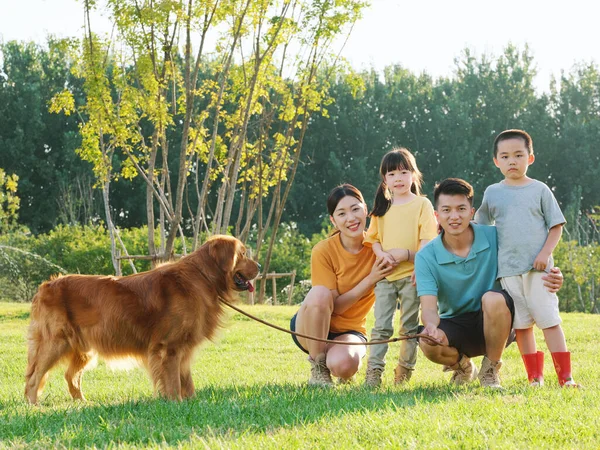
[[400, 254], [381, 269], [413, 279], [541, 262]]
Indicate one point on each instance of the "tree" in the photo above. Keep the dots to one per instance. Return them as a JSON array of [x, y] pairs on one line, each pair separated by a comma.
[[236, 117], [38, 146]]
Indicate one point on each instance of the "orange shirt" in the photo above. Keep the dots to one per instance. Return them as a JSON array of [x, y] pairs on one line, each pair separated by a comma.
[[334, 267]]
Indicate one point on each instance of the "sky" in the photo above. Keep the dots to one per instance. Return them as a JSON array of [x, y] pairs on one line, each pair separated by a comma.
[[421, 35]]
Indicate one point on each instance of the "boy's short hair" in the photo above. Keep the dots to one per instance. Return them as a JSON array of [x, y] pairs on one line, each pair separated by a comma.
[[514, 134], [453, 186]]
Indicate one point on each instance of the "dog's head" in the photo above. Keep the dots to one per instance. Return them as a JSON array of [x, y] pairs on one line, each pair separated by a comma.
[[230, 256]]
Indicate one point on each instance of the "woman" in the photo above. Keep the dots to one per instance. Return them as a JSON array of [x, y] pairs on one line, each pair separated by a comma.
[[343, 275]]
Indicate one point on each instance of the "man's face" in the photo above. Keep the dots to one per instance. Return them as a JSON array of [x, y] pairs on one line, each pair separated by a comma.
[[454, 213]]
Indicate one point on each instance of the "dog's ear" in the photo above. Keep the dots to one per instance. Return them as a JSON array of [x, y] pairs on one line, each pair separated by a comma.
[[224, 252]]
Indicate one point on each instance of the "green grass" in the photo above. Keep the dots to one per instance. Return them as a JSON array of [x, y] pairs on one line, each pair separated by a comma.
[[251, 393]]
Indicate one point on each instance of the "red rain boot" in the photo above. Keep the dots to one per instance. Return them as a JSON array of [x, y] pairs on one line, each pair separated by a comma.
[[534, 364], [562, 365]]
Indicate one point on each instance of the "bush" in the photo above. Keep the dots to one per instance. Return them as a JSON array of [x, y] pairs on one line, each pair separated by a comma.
[[27, 260], [291, 251], [300, 290]]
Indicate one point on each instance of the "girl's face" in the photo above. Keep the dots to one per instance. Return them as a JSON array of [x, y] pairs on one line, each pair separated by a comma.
[[399, 181], [350, 217]]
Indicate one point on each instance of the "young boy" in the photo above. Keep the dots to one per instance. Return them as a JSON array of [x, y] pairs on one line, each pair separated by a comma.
[[529, 224]]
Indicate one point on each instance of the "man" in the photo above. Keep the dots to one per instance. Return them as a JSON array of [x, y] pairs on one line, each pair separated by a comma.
[[462, 305]]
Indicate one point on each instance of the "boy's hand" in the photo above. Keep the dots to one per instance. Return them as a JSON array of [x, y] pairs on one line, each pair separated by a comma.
[[541, 261], [413, 279]]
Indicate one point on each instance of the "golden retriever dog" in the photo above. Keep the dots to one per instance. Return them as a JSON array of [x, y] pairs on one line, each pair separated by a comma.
[[158, 317]]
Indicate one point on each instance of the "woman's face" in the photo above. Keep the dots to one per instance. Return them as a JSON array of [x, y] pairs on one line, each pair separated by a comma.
[[350, 217]]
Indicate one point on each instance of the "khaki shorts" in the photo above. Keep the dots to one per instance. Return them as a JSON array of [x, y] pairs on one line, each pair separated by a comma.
[[533, 303]]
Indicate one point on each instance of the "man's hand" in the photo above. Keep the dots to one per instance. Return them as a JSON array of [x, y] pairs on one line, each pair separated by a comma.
[[553, 280], [435, 333], [541, 261]]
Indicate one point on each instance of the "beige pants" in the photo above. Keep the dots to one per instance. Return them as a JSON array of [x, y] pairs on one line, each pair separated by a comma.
[[533, 303], [388, 294]]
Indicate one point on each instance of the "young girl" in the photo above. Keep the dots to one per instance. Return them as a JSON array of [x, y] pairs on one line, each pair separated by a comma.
[[401, 218]]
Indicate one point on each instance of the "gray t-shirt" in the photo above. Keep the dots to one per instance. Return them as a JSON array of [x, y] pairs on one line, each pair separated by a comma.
[[523, 215]]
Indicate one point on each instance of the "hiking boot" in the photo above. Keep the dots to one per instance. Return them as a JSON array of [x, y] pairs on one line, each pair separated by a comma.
[[350, 380], [464, 371], [489, 375], [402, 374], [319, 372], [373, 378]]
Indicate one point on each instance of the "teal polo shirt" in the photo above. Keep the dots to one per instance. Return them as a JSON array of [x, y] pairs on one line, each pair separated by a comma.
[[459, 283]]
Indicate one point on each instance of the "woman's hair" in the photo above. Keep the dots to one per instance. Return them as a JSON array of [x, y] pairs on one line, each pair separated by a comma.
[[339, 192], [397, 159]]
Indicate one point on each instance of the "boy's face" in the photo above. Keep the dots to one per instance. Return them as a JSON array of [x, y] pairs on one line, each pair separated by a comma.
[[454, 213], [513, 159]]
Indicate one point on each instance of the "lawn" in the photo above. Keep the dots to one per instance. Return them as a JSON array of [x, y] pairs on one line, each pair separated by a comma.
[[251, 393]]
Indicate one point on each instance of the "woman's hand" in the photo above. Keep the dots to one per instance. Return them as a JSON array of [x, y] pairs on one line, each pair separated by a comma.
[[389, 259], [381, 269], [553, 280]]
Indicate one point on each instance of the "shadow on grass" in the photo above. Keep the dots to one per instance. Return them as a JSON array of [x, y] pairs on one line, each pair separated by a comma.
[[221, 412]]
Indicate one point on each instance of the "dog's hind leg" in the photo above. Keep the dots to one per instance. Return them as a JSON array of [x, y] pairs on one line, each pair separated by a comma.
[[164, 366], [42, 356], [187, 384], [78, 362]]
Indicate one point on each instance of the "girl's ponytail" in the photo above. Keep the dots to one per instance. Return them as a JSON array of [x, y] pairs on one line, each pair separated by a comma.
[[382, 201]]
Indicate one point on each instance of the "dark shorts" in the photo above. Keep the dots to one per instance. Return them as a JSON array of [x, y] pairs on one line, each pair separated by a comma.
[[465, 331], [330, 336]]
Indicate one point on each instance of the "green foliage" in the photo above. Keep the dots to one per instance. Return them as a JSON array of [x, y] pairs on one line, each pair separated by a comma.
[[28, 260], [581, 267], [290, 252], [450, 123], [21, 272], [251, 393], [9, 201], [37, 146]]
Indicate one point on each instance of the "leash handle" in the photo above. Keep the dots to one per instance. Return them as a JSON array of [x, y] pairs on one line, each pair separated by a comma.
[[329, 341]]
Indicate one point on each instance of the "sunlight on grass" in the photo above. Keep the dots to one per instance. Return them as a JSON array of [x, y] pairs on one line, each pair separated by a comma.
[[251, 393]]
